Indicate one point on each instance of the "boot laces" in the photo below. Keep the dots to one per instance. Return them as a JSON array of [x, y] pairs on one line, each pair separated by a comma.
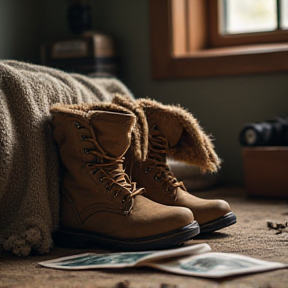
[[158, 147], [112, 168]]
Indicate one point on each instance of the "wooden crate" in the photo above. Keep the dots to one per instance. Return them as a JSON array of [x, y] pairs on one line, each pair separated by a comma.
[[266, 171]]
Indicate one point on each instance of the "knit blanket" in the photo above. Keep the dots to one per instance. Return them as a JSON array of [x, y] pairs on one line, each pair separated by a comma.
[[29, 166]]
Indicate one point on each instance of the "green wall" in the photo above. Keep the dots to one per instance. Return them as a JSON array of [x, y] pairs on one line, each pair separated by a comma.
[[222, 104]]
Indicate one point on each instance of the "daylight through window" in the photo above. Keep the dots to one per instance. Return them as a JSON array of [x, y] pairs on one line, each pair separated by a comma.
[[246, 16]]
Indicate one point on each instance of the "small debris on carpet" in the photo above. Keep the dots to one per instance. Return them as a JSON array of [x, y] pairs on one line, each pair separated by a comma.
[[123, 284], [280, 227]]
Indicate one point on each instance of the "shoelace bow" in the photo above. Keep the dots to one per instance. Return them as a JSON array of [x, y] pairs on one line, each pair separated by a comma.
[[158, 147], [119, 180]]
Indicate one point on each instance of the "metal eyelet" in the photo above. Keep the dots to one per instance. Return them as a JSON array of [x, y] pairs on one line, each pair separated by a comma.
[[123, 200], [86, 151], [107, 188], [101, 179], [155, 127], [84, 137], [156, 178], [77, 125], [147, 170]]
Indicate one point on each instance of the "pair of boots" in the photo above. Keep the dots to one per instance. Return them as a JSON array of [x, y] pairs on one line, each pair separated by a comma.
[[100, 203]]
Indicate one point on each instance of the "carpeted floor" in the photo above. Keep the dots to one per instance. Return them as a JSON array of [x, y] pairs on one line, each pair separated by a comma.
[[250, 236]]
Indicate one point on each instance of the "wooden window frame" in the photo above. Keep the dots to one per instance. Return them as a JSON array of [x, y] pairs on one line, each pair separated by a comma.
[[195, 53]]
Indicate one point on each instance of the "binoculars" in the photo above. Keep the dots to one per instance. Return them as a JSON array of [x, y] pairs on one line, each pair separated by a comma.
[[267, 133]]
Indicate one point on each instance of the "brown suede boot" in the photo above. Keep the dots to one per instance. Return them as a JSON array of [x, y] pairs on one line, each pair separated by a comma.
[[98, 201], [174, 132]]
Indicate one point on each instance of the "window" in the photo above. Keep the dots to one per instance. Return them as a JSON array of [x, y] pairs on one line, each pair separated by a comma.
[[236, 22], [192, 38], [248, 16]]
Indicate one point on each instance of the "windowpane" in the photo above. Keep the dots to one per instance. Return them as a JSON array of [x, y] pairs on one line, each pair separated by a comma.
[[284, 14], [246, 16]]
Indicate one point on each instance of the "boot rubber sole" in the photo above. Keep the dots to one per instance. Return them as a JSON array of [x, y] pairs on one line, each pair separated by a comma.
[[75, 238], [219, 223]]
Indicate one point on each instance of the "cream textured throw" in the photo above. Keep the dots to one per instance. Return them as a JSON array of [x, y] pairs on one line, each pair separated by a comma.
[[29, 166]]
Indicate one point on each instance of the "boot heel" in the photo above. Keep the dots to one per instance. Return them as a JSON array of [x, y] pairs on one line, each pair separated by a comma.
[[66, 239]]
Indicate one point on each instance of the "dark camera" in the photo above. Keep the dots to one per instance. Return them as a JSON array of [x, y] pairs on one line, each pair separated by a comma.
[[267, 133]]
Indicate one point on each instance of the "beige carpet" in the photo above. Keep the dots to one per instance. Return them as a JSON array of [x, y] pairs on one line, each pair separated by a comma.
[[250, 236]]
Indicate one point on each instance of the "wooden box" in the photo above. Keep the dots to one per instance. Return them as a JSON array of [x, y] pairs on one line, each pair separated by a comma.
[[266, 171]]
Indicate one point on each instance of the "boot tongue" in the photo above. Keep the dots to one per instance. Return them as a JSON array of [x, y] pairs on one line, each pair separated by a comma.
[[113, 131], [167, 123]]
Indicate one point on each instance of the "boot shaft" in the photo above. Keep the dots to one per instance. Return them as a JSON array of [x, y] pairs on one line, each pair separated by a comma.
[[92, 142], [185, 139], [172, 132]]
